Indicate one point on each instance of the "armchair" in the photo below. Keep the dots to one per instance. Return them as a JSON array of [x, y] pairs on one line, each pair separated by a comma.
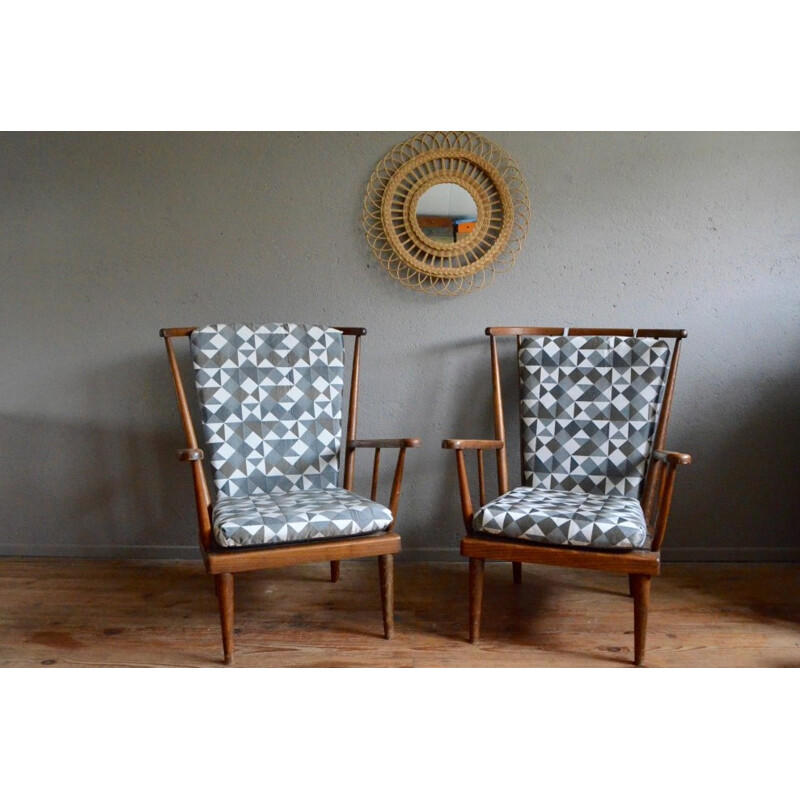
[[596, 483], [271, 400]]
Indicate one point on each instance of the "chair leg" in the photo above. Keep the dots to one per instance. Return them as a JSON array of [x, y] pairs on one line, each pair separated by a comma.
[[475, 598], [224, 586], [517, 565], [334, 571], [386, 571], [641, 605]]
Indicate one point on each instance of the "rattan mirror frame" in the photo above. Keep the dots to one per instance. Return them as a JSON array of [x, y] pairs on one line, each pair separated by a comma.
[[468, 160]]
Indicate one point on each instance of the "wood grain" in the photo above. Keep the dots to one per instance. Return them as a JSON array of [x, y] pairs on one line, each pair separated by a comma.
[[102, 613], [245, 559], [495, 549]]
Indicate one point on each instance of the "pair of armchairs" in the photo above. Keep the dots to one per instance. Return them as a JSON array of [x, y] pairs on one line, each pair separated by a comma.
[[596, 483]]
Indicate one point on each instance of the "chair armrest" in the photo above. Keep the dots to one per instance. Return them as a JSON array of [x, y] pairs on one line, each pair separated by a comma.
[[657, 503], [190, 454], [478, 445], [671, 457], [194, 456], [472, 444], [389, 443], [377, 445]]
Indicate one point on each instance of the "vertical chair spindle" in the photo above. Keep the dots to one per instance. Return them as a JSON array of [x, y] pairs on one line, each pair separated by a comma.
[[375, 467]]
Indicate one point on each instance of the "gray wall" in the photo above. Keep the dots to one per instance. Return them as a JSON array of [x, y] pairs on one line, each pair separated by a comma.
[[105, 238]]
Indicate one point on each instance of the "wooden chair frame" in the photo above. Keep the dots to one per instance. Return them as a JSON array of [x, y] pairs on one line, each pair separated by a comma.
[[639, 565], [223, 563]]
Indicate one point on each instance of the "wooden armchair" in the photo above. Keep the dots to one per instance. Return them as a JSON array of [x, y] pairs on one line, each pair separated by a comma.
[[596, 482], [271, 401]]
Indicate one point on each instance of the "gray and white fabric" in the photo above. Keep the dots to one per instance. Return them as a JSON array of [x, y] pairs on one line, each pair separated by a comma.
[[554, 516], [588, 408], [271, 400], [296, 516], [588, 411]]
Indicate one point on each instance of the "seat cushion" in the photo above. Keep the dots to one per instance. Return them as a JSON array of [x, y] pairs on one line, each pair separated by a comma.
[[296, 516], [555, 516]]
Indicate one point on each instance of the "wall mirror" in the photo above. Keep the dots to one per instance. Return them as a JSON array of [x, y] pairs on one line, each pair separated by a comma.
[[444, 211]]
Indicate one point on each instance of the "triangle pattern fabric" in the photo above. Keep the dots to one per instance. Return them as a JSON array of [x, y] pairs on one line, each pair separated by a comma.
[[588, 411], [555, 516], [296, 516], [271, 405]]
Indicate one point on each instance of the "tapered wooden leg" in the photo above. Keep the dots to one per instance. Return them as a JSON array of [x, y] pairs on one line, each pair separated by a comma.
[[517, 571], [641, 605], [475, 598], [224, 587], [334, 571], [386, 570], [630, 585]]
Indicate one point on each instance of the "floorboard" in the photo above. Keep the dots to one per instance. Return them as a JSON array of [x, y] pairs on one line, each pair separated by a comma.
[[105, 613]]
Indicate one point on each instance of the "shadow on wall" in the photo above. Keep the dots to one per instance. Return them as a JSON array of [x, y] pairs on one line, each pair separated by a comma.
[[450, 404], [731, 504], [103, 489], [113, 487], [463, 395], [92, 490]]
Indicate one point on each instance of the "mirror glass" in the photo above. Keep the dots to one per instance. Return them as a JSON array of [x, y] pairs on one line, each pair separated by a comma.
[[447, 213]]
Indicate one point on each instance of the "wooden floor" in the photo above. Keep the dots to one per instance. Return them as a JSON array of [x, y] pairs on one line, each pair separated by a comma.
[[96, 613]]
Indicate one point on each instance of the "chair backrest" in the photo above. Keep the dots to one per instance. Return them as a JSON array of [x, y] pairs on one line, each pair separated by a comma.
[[588, 410], [271, 404], [594, 403], [202, 494]]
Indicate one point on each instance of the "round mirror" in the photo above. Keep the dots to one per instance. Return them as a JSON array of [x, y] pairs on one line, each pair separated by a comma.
[[447, 213], [445, 210]]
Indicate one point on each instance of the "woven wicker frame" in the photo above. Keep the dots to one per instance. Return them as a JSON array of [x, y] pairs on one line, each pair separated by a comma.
[[475, 164]]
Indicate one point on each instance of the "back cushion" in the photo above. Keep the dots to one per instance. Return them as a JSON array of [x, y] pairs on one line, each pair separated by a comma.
[[588, 412], [271, 400]]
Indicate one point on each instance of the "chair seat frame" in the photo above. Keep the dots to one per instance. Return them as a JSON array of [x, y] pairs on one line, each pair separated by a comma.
[[640, 565], [223, 563]]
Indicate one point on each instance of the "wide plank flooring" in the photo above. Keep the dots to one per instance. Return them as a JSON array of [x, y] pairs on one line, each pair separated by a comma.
[[104, 613]]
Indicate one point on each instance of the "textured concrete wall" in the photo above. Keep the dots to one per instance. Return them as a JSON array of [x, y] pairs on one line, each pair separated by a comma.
[[105, 238]]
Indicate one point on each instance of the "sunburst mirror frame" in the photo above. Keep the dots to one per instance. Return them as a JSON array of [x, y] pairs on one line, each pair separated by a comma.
[[413, 167]]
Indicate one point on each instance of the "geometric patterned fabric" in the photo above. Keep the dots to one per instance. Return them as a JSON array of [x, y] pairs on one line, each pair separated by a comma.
[[554, 516], [296, 516], [271, 402], [588, 411]]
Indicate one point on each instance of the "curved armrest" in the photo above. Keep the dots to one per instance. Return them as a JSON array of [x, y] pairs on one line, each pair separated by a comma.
[[190, 454], [671, 457], [381, 443], [472, 444]]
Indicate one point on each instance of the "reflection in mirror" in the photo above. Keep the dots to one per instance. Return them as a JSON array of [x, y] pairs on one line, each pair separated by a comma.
[[447, 213], [420, 178]]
